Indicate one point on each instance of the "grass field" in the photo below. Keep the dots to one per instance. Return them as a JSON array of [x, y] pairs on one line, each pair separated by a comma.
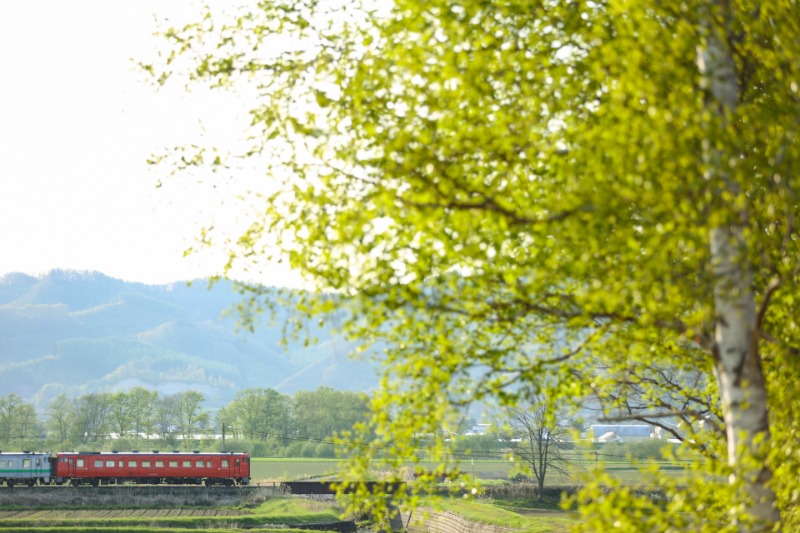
[[281, 469], [541, 517]]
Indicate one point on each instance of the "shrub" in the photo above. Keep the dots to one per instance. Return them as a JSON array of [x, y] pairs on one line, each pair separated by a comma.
[[324, 450]]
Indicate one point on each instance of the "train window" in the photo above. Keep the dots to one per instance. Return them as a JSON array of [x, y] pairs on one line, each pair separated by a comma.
[[224, 463], [145, 464], [159, 464], [199, 463], [79, 463], [38, 462], [187, 463], [110, 464], [132, 464], [26, 463], [98, 464], [2, 464], [173, 463]]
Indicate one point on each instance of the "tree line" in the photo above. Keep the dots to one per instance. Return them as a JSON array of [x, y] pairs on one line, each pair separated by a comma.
[[262, 421]]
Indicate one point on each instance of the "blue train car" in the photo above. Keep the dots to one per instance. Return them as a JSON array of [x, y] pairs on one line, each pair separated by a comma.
[[27, 468]]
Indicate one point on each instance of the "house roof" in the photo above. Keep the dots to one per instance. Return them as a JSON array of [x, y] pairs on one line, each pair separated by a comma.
[[609, 436]]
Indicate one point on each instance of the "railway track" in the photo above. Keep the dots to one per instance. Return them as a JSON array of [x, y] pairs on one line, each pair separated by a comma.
[[137, 490]]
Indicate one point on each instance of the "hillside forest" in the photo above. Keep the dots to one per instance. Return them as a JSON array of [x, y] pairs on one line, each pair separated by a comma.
[[82, 334]]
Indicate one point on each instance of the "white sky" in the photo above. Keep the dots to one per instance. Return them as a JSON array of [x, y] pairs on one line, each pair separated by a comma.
[[77, 124]]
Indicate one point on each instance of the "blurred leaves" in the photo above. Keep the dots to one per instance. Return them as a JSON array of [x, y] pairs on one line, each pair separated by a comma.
[[511, 189]]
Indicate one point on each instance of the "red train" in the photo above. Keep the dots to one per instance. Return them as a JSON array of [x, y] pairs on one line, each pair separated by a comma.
[[179, 468], [96, 468]]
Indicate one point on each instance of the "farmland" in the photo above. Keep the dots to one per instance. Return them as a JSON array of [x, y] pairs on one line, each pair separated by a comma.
[[154, 508], [580, 468], [179, 509], [265, 506]]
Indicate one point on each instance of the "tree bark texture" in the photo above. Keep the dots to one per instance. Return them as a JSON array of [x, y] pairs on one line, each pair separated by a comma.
[[738, 370]]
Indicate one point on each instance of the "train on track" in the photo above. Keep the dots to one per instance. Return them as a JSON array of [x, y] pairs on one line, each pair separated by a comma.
[[111, 468]]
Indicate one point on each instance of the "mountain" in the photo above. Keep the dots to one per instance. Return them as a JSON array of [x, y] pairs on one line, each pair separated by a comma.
[[83, 332]]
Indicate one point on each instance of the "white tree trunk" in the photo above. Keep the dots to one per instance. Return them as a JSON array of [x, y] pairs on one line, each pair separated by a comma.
[[740, 377], [742, 386]]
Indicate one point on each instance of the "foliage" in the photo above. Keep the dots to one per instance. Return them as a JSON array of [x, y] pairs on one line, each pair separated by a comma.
[[19, 425], [263, 422], [259, 413], [599, 191], [321, 413]]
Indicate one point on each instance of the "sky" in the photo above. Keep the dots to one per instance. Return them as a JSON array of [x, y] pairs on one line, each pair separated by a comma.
[[77, 125]]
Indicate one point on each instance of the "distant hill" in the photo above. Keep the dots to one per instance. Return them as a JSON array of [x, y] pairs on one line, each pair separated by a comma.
[[81, 332]]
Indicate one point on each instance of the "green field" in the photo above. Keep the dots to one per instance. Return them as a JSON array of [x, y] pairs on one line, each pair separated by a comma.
[[287, 469], [281, 469]]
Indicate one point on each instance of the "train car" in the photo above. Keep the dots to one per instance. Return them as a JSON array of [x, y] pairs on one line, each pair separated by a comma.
[[180, 468], [29, 468]]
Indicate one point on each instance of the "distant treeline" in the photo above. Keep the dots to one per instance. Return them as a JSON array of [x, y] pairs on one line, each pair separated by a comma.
[[261, 421]]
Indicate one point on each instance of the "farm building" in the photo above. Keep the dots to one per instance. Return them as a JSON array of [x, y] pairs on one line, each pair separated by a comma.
[[620, 432]]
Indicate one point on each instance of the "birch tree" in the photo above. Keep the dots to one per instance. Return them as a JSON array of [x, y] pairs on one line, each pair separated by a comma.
[[167, 418], [19, 424], [144, 404], [189, 414], [121, 414], [60, 418], [501, 190], [90, 417], [737, 361]]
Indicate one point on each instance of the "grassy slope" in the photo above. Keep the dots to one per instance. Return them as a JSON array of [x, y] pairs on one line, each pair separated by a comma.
[[544, 518]]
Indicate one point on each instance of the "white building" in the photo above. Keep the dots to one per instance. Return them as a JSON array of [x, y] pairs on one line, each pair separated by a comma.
[[620, 432]]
